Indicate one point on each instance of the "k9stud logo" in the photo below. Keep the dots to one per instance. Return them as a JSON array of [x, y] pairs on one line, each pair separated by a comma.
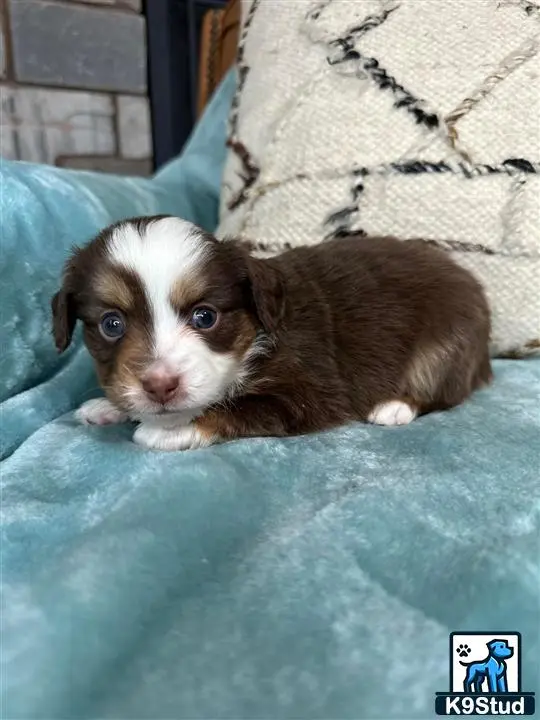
[[485, 676]]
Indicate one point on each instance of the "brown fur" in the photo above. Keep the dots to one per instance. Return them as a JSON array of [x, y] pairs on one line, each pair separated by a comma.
[[246, 333], [348, 324], [359, 322]]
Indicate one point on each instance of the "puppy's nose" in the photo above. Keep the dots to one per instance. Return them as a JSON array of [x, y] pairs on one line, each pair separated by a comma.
[[161, 386]]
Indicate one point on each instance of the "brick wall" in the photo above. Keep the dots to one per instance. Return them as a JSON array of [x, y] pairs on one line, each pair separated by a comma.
[[73, 84]]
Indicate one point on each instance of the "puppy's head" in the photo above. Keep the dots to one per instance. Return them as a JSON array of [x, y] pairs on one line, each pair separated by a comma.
[[171, 316]]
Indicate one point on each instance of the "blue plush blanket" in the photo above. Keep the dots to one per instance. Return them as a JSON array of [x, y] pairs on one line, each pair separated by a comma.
[[314, 577]]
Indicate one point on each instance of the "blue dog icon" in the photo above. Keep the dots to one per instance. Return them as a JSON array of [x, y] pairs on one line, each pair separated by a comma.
[[493, 668]]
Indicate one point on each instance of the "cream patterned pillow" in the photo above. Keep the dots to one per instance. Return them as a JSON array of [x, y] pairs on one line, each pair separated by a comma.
[[415, 118]]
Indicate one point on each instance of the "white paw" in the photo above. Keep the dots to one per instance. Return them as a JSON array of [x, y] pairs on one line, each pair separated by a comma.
[[155, 437], [99, 412], [394, 412]]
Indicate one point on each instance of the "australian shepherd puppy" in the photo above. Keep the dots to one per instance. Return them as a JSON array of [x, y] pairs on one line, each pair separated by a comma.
[[201, 342]]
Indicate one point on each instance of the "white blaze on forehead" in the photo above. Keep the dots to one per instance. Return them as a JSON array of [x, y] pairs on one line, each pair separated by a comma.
[[163, 253]]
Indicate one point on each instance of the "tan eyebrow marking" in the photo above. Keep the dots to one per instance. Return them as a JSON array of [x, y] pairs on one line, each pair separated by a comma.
[[187, 291], [113, 290]]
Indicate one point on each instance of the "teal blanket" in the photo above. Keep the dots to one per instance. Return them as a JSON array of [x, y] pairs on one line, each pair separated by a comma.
[[314, 577]]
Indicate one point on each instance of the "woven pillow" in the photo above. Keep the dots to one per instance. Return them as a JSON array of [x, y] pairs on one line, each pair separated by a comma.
[[415, 119]]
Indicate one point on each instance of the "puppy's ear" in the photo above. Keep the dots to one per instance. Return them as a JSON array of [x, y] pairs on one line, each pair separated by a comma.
[[64, 319], [263, 283], [267, 291], [64, 313]]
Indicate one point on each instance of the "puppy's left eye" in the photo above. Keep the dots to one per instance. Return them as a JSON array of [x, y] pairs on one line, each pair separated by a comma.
[[203, 318]]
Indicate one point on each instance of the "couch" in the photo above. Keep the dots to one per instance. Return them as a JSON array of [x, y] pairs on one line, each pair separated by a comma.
[[309, 577]]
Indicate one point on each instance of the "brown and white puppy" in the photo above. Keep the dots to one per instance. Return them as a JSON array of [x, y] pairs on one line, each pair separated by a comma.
[[201, 342]]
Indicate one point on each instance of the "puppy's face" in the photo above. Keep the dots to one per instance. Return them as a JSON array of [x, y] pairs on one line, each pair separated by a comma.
[[171, 316]]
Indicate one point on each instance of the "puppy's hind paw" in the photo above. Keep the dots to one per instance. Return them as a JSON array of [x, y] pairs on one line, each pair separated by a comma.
[[99, 411], [394, 412], [187, 437]]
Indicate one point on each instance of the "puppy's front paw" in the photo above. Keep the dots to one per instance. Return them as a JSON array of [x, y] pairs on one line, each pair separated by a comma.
[[187, 437], [394, 412], [99, 412]]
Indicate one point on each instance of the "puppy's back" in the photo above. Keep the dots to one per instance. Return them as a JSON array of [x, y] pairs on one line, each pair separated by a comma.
[[410, 283], [402, 317]]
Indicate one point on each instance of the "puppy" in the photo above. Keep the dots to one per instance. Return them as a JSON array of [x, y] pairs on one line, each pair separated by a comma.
[[201, 342]]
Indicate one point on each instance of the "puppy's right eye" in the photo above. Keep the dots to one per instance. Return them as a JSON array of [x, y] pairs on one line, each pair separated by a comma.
[[112, 325]]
